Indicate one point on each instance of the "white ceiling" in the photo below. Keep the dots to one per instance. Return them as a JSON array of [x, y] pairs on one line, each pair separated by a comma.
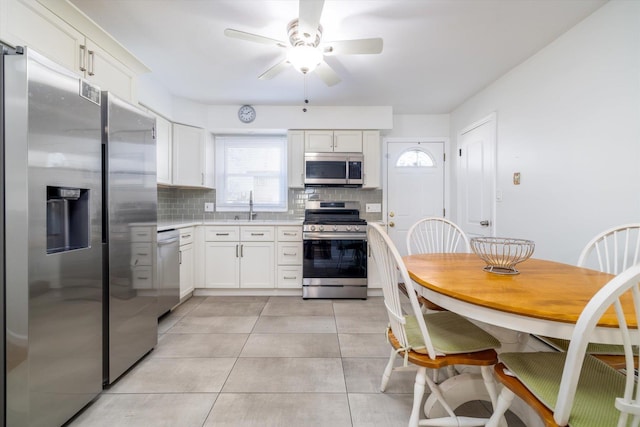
[[437, 53]]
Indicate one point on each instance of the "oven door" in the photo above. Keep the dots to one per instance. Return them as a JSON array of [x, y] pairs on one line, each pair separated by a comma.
[[335, 260]]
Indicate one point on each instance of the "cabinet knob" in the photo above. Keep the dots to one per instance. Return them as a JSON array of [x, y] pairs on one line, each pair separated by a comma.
[[392, 224]]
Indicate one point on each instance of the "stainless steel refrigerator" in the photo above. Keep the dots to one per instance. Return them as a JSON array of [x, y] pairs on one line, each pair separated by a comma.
[[130, 257], [52, 241]]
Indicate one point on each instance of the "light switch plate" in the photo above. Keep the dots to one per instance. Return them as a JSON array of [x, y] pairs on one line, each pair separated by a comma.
[[374, 207], [208, 207]]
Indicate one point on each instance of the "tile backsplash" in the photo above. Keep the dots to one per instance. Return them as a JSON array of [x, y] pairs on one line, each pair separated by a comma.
[[187, 204]]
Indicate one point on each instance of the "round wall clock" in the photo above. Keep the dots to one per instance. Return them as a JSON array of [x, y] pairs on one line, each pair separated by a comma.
[[246, 114]]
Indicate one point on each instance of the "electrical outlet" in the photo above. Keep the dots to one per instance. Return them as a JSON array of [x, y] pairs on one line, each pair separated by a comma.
[[208, 207], [373, 207]]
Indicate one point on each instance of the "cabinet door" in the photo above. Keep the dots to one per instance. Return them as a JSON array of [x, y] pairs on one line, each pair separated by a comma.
[[163, 150], [318, 141], [373, 277], [222, 265], [28, 23], [289, 276], [186, 270], [257, 266], [347, 141], [295, 158], [371, 149], [110, 74], [289, 253], [188, 156]]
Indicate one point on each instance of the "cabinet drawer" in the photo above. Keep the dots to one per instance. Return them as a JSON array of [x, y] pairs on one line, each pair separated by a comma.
[[142, 278], [142, 234], [141, 254], [290, 234], [222, 234], [186, 236], [289, 277], [257, 234], [290, 253]]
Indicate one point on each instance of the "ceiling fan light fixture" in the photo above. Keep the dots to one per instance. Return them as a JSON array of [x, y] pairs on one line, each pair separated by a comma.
[[304, 58]]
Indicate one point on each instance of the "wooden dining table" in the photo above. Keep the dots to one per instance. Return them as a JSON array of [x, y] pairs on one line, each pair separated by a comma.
[[545, 298]]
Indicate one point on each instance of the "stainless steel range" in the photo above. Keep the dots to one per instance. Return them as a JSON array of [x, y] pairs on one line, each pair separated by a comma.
[[335, 250]]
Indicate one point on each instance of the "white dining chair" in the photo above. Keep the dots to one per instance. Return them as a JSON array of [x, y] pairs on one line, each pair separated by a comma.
[[429, 341], [433, 234], [575, 388], [611, 251]]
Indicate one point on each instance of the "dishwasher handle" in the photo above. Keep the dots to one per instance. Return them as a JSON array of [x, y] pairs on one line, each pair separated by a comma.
[[167, 241]]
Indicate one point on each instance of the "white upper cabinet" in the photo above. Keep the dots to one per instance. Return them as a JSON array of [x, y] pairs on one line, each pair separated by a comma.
[[190, 153], [163, 150], [56, 29], [107, 72], [326, 141], [295, 158], [372, 151]]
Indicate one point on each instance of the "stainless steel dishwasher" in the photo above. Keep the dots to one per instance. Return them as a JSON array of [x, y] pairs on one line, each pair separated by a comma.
[[168, 270]]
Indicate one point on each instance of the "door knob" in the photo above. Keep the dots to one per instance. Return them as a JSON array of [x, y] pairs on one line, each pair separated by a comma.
[[392, 224], [391, 214], [484, 223]]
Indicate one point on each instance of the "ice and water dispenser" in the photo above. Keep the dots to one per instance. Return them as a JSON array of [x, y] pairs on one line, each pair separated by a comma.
[[67, 219]]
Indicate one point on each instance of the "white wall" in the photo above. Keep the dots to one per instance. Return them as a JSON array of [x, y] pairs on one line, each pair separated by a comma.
[[568, 119], [224, 118], [419, 125], [154, 95]]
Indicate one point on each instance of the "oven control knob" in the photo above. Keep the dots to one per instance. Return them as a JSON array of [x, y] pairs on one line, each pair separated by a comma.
[[357, 228], [348, 228], [313, 228], [335, 228], [321, 228]]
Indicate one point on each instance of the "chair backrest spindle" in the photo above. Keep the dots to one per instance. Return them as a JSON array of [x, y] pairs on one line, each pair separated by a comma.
[[431, 235], [614, 250]]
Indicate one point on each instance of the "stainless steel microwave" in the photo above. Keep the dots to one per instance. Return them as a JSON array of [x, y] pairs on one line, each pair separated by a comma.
[[333, 169]]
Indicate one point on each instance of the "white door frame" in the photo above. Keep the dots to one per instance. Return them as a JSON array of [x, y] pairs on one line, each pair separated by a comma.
[[493, 119], [385, 157]]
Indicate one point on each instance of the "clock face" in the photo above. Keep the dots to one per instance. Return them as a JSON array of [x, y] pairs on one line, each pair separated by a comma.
[[246, 114]]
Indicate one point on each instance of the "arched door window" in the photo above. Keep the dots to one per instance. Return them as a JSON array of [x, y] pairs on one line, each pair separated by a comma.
[[415, 158]]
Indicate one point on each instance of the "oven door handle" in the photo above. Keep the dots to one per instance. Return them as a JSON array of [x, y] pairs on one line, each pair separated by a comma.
[[333, 236]]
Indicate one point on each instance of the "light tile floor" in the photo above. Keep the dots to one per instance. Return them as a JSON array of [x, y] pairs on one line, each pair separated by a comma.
[[264, 361]]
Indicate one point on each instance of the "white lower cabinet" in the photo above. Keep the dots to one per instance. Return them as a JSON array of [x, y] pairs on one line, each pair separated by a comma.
[[187, 262], [289, 257], [239, 257], [373, 277]]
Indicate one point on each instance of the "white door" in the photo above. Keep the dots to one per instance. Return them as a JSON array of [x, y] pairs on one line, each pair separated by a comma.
[[415, 186], [476, 177]]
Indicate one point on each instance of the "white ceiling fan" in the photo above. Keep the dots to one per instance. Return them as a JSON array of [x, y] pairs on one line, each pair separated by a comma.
[[305, 48]]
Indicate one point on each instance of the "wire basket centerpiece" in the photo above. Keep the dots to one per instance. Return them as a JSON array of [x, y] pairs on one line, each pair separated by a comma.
[[501, 253]]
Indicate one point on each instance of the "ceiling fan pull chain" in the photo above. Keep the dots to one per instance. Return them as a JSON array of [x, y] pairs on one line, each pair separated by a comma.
[[306, 98]]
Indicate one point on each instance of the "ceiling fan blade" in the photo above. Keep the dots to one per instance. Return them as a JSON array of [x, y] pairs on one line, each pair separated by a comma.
[[327, 74], [273, 71], [236, 34], [309, 17], [353, 47]]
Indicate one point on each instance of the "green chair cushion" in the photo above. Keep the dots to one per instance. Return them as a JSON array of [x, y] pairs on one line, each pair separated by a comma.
[[598, 386], [450, 334], [592, 348]]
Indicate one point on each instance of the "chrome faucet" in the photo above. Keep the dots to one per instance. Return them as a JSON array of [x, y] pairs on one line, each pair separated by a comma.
[[252, 214]]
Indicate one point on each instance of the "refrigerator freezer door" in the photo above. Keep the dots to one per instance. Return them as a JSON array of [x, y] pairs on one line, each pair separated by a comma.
[[130, 205], [53, 300]]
